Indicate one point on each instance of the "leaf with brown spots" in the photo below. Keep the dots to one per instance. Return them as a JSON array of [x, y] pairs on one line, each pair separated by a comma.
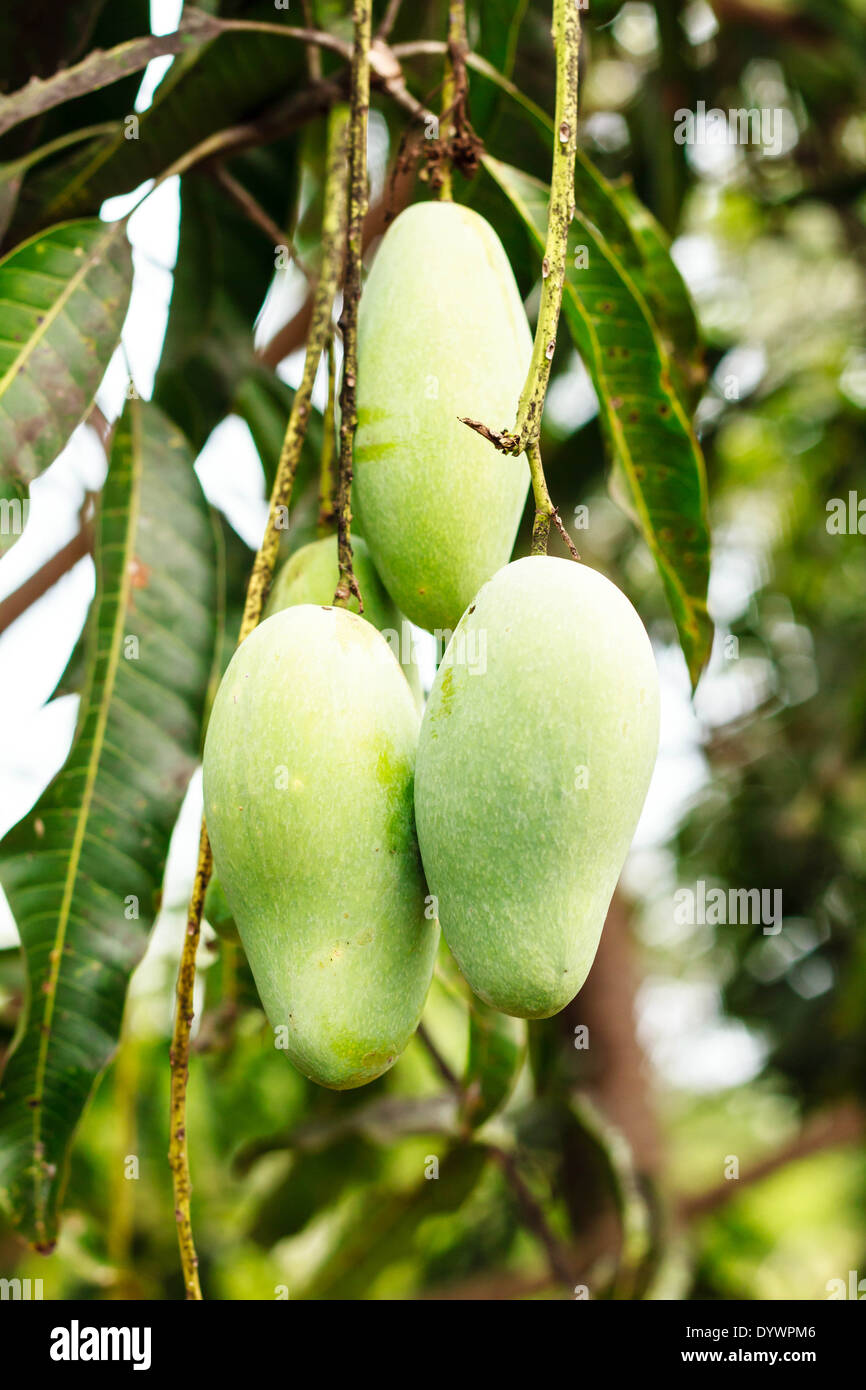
[[82, 871], [63, 299], [659, 472]]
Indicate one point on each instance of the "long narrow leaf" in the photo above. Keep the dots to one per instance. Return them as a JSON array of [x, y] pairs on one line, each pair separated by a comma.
[[633, 234], [100, 69], [63, 299], [83, 870], [656, 454]]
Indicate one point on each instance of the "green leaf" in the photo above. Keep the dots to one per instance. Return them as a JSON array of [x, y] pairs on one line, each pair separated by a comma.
[[63, 299], [383, 1121], [500, 26], [658, 464], [221, 83], [389, 1224], [263, 401], [497, 1049], [101, 69], [635, 237], [39, 36], [633, 1210], [225, 265], [83, 870]]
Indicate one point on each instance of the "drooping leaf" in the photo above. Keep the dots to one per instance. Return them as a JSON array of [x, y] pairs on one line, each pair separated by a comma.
[[631, 1202], [263, 400], [230, 79], [101, 68], [634, 236], [83, 870], [63, 299], [382, 1121], [658, 464], [497, 1049], [36, 38]]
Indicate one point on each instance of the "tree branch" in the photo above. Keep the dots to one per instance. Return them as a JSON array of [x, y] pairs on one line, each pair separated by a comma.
[[347, 585], [38, 584], [830, 1130], [256, 214]]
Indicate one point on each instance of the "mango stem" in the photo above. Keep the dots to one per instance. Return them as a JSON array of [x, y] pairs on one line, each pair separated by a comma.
[[347, 584], [527, 429], [453, 92]]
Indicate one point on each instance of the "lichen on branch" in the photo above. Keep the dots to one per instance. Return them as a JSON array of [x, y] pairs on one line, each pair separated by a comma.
[[347, 584]]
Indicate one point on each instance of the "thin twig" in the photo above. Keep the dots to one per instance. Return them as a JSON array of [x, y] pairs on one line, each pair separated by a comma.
[[831, 1129], [178, 1150], [255, 213], [333, 236], [533, 1216], [531, 1213], [448, 1076], [38, 584], [347, 585], [389, 19]]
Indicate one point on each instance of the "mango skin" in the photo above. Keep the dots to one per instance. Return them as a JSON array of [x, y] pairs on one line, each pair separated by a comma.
[[311, 575], [523, 858], [442, 333], [308, 768]]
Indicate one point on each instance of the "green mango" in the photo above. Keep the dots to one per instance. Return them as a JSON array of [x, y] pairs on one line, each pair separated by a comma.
[[308, 767], [536, 751], [311, 575], [442, 333]]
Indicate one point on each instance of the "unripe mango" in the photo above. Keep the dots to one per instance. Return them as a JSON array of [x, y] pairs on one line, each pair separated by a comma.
[[308, 767], [534, 760], [311, 575], [442, 333]]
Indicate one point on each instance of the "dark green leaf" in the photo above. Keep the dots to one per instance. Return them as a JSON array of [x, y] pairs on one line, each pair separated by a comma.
[[500, 22], [658, 463], [225, 265], [63, 299], [101, 69], [635, 237], [83, 870], [226, 81]]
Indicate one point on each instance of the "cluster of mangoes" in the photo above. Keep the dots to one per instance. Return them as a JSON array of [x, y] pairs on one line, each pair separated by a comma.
[[346, 825]]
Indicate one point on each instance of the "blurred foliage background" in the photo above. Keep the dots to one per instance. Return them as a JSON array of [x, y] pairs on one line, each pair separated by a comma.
[[695, 1051]]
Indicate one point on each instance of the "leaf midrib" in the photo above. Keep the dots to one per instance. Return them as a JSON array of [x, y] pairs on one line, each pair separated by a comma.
[[113, 660]]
